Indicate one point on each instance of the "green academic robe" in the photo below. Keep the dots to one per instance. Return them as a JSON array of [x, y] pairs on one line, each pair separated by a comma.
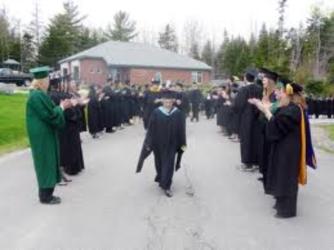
[[44, 119]]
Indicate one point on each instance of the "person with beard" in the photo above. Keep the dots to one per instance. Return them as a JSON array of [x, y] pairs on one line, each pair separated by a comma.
[[288, 131], [195, 97], [166, 137], [95, 121], [249, 127], [151, 101]]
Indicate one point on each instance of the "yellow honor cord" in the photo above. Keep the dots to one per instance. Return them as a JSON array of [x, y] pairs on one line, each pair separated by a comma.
[[302, 177]]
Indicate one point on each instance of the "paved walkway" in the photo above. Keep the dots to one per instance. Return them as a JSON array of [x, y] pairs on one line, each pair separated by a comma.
[[215, 206]]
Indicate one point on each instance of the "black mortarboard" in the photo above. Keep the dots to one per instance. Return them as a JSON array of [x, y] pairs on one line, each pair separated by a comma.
[[155, 81], [252, 72], [297, 88], [168, 94], [290, 88], [269, 74]]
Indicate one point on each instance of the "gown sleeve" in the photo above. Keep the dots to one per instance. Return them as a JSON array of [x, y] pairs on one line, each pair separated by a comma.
[[147, 145], [46, 110], [283, 122]]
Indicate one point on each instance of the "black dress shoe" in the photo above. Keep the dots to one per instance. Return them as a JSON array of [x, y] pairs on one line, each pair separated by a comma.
[[280, 216], [53, 201], [157, 179], [168, 193]]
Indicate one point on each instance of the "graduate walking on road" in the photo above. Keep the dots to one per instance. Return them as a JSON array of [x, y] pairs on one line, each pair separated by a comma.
[[166, 137]]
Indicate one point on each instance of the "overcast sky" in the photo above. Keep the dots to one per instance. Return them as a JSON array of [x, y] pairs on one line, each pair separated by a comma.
[[237, 16]]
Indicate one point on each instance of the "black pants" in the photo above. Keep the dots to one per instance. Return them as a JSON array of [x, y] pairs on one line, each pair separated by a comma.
[[286, 206], [195, 111], [45, 194], [164, 165]]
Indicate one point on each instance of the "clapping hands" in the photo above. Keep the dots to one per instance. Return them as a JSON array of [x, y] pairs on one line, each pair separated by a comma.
[[65, 104], [258, 103]]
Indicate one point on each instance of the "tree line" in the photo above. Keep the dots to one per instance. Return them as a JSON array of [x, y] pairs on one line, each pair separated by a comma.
[[304, 53]]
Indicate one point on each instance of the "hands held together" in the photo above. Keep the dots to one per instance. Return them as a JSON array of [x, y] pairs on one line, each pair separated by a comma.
[[264, 107]]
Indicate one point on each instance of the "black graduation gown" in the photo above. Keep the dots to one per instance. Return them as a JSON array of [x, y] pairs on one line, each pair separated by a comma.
[[263, 143], [249, 127], [317, 107], [220, 111], [95, 121], [108, 109], [126, 105], [329, 108], [71, 158], [184, 106], [149, 105], [283, 131], [195, 99], [166, 134], [323, 106], [208, 106], [310, 105]]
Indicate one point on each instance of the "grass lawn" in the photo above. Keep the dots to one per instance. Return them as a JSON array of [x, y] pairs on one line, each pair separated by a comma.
[[330, 131], [12, 122]]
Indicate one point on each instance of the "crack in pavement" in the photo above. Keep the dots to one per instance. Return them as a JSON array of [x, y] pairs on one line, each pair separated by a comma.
[[178, 224]]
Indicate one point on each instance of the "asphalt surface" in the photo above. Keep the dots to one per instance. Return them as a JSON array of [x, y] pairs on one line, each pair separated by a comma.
[[108, 206]]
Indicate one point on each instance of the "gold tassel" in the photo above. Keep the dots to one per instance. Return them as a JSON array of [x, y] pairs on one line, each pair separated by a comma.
[[289, 89]]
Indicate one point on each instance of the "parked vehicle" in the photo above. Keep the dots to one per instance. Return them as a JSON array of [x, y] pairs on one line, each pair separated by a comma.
[[19, 78]]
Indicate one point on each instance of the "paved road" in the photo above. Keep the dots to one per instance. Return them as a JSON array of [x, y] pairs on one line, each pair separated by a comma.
[[110, 207]]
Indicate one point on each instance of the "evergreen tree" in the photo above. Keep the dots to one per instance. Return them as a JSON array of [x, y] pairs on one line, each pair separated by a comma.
[[123, 28], [4, 35], [194, 51], [208, 53], [65, 36], [167, 38], [28, 57]]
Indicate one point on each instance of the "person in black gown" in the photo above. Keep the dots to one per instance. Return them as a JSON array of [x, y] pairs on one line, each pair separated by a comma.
[[151, 101], [195, 97], [249, 127], [287, 131], [95, 120], [71, 157], [166, 137]]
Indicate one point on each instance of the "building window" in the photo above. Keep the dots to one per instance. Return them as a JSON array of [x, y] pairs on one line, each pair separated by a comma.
[[197, 76], [76, 73], [98, 70], [92, 70]]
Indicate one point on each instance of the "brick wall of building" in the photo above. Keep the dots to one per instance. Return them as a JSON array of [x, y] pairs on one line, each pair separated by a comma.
[[93, 71], [96, 71], [144, 76]]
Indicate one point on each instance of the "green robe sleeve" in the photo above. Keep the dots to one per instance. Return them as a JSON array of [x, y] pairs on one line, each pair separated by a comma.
[[46, 110]]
